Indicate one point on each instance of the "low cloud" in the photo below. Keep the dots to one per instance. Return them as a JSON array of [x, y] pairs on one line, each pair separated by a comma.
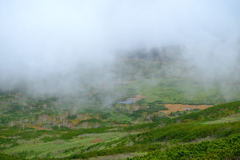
[[54, 46]]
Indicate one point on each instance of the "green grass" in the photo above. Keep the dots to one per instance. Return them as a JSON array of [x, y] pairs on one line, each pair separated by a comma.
[[120, 118], [183, 91], [222, 148], [232, 118], [120, 144], [56, 148]]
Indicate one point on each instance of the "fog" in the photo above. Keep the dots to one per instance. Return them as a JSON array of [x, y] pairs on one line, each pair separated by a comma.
[[60, 46]]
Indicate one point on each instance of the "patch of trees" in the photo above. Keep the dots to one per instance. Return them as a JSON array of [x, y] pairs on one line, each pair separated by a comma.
[[175, 133], [223, 148], [10, 157], [187, 132]]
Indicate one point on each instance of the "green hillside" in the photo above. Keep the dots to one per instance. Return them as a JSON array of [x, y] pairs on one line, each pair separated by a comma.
[[184, 137]]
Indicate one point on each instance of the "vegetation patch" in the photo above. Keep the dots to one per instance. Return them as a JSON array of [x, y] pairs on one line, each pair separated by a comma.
[[228, 119]]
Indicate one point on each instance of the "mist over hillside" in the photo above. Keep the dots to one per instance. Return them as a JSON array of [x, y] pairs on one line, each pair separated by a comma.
[[74, 48]]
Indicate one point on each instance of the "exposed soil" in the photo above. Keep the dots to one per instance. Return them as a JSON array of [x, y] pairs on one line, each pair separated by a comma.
[[137, 97], [41, 128], [118, 156], [97, 140], [182, 107]]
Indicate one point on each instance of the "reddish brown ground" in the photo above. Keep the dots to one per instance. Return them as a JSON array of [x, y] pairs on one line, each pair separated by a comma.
[[181, 107], [41, 128], [137, 97], [97, 140]]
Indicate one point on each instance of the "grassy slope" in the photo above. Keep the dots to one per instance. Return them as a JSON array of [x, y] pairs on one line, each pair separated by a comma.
[[176, 130], [232, 118], [167, 89], [60, 148], [223, 148], [183, 91], [173, 134]]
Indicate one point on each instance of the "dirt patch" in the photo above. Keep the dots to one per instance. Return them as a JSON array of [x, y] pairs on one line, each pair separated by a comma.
[[97, 140], [137, 97], [41, 128], [118, 156], [182, 107]]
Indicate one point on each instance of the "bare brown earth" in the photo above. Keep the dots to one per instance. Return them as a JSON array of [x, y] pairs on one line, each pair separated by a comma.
[[137, 97], [182, 107], [97, 140], [118, 156]]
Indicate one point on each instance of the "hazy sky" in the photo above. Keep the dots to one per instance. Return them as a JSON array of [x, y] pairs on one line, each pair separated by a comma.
[[42, 37]]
